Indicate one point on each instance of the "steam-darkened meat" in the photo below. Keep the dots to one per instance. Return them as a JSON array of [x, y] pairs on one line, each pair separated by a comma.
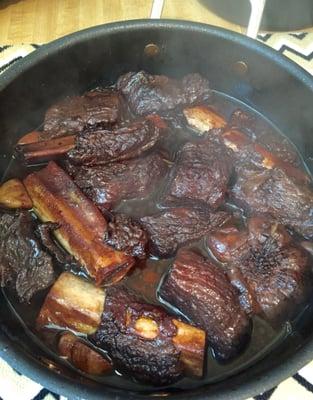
[[200, 174], [97, 108], [125, 234], [143, 340], [203, 292], [23, 263], [57, 199], [153, 345], [250, 139], [104, 146], [155, 93], [260, 132], [274, 192], [170, 229], [270, 271], [45, 232], [107, 185]]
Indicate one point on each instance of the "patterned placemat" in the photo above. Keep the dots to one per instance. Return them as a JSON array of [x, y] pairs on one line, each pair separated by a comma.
[[13, 386]]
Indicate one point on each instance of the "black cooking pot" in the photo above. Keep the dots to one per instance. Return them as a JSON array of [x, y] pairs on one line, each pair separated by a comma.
[[236, 65], [279, 15]]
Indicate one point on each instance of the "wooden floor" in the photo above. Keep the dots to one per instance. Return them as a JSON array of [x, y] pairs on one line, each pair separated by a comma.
[[40, 21]]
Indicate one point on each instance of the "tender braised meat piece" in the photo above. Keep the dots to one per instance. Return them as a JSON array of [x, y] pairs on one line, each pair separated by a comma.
[[274, 192], [57, 199], [82, 356], [141, 339], [107, 185], [72, 303], [170, 229], [45, 231], [228, 243], [23, 263], [155, 93], [200, 174], [260, 132], [203, 292], [97, 108], [125, 234], [242, 119], [249, 154], [123, 143], [258, 145], [144, 341], [270, 271]]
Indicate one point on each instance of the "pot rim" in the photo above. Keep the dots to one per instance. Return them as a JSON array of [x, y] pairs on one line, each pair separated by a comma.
[[22, 361]]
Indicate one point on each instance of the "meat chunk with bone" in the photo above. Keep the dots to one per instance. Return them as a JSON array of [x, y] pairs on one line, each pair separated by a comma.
[[123, 143], [172, 228], [262, 133], [24, 265], [100, 146], [270, 271], [97, 108], [141, 339], [82, 227], [107, 185], [276, 193], [203, 292], [200, 175], [244, 146], [146, 93]]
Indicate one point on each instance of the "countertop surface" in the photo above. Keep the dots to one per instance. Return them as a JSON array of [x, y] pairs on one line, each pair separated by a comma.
[[40, 21]]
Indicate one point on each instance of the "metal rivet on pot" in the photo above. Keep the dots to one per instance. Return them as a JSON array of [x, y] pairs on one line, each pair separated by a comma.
[[240, 68], [151, 50]]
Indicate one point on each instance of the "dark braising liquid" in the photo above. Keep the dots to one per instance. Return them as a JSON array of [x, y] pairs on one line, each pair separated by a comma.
[[145, 279]]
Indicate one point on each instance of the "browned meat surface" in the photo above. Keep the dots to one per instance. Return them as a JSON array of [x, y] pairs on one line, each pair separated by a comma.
[[200, 174], [261, 133], [57, 199], [82, 356], [123, 143], [97, 108], [145, 342], [133, 332], [270, 271], [45, 233], [203, 292], [274, 192], [170, 229], [107, 185], [125, 234], [23, 264], [250, 139], [155, 93]]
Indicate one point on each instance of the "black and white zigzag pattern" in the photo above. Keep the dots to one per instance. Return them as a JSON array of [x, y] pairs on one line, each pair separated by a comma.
[[10, 54], [297, 46]]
